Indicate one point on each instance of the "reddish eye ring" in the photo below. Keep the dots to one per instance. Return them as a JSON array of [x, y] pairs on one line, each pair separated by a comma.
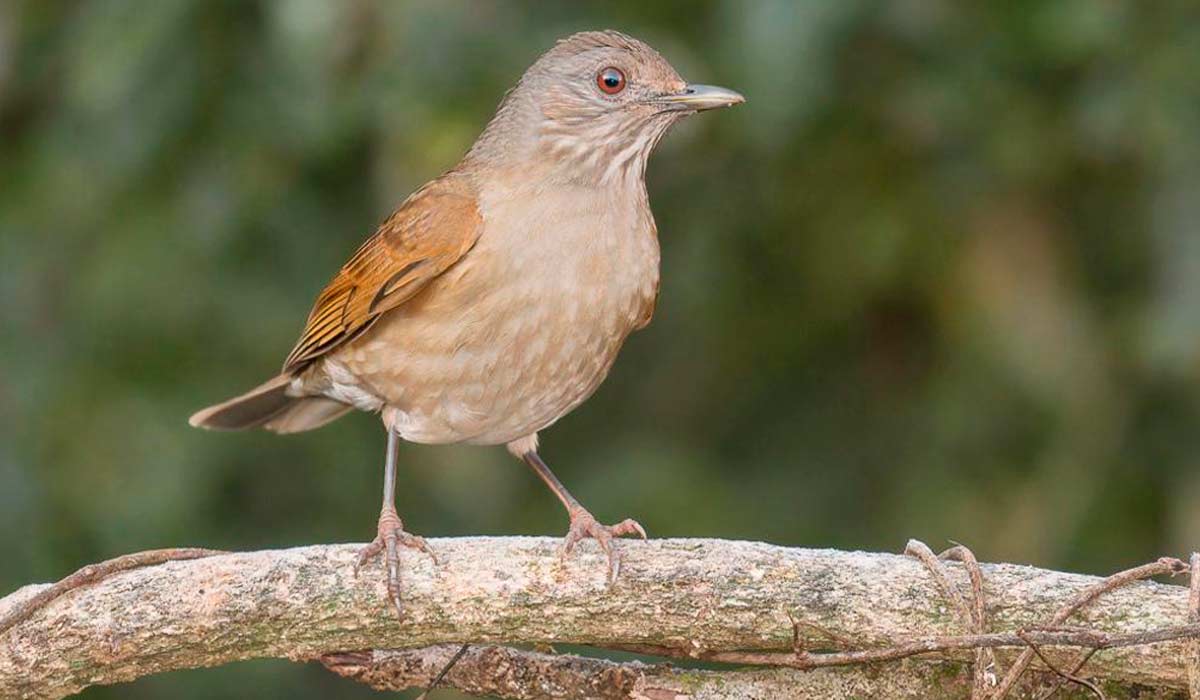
[[610, 80]]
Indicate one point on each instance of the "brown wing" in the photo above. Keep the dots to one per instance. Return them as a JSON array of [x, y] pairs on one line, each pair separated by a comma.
[[430, 231]]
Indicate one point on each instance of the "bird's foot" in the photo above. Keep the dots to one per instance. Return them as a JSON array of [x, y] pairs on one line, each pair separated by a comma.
[[391, 536], [584, 525]]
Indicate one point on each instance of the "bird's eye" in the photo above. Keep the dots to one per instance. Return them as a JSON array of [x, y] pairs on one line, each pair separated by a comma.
[[610, 81]]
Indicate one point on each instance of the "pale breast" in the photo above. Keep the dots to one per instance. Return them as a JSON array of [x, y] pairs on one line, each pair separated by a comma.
[[520, 331]]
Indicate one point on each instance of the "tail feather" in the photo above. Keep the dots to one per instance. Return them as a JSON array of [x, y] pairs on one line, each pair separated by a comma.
[[269, 406], [306, 414], [249, 410]]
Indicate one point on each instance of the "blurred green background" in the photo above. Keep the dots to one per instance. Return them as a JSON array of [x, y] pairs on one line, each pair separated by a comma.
[[938, 278]]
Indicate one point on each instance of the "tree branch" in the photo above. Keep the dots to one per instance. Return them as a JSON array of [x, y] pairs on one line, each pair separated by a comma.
[[93, 573], [515, 674], [703, 599]]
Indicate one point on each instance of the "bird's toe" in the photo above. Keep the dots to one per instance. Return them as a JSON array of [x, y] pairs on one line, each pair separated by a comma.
[[584, 526]]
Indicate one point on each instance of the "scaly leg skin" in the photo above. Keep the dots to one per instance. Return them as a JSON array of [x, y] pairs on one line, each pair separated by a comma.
[[390, 532], [583, 524]]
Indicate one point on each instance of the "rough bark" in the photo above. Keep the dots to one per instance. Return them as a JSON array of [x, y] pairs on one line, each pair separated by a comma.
[[515, 674], [692, 597]]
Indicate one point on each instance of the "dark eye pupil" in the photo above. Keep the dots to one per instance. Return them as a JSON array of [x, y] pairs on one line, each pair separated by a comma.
[[611, 80]]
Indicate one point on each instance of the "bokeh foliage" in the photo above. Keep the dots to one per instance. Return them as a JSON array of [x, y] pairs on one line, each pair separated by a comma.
[[939, 277]]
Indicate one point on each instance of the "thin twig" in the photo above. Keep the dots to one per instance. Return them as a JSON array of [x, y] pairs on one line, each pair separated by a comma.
[[918, 549], [442, 674], [1074, 671], [1193, 653], [961, 553], [797, 644], [1062, 674], [93, 573], [983, 670], [1166, 566]]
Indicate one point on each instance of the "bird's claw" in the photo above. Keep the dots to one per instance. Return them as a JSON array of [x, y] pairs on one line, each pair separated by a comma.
[[584, 525], [390, 536]]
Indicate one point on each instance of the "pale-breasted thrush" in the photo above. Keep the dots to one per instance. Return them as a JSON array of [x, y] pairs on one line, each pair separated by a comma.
[[495, 298]]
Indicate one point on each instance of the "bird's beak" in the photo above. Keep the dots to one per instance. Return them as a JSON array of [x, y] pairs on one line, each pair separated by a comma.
[[701, 97]]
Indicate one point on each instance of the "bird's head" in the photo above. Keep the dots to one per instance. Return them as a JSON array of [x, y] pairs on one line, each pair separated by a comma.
[[594, 106]]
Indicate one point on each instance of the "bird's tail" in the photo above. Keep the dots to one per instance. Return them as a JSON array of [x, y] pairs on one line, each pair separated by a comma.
[[268, 406]]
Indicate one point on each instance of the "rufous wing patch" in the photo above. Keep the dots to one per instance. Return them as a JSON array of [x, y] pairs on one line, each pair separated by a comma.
[[427, 234]]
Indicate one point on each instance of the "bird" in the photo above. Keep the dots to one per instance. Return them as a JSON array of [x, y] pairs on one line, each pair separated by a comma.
[[495, 298]]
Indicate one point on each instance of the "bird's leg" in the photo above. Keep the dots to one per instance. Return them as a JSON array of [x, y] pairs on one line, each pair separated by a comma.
[[390, 532], [583, 524]]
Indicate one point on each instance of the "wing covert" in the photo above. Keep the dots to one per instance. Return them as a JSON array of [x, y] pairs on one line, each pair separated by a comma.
[[427, 234]]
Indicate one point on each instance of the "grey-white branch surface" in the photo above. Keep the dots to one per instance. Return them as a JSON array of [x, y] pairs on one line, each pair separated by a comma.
[[683, 598]]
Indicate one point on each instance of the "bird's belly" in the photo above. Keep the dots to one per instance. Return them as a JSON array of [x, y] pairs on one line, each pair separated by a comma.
[[488, 372]]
